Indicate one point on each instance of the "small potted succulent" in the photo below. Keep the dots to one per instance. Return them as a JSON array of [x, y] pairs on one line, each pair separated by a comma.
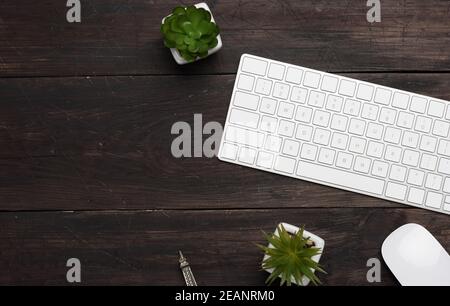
[[293, 255], [191, 33]]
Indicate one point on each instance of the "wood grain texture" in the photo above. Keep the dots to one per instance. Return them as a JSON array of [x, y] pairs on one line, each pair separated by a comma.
[[123, 37], [140, 248], [105, 143]]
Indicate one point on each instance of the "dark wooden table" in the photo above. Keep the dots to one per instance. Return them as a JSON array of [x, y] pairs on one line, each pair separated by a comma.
[[85, 116]]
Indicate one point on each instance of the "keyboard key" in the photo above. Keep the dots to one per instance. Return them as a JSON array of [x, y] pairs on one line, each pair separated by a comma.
[[447, 206], [447, 116], [265, 160], [410, 139], [326, 156], [357, 126], [246, 100], [244, 118], [433, 181], [444, 166], [285, 164], [382, 96], [286, 128], [246, 82], [418, 105], [334, 103], [400, 100], [263, 86], [393, 153], [329, 83], [276, 71], [308, 151], [273, 143], [253, 65], [299, 94], [344, 160], [375, 149], [304, 132], [398, 173], [428, 162], [388, 115], [365, 92], [357, 145], [294, 75], [411, 158], [247, 155], [374, 131], [444, 147], [322, 137], [441, 128], [268, 124], [416, 196], [447, 185], [415, 177], [339, 141], [423, 124], [436, 109], [352, 107], [339, 123], [229, 151], [291, 147], [434, 200], [380, 168], [303, 114], [338, 177], [392, 135], [281, 91], [405, 120], [347, 88], [268, 105], [362, 164], [316, 99], [396, 191], [428, 143], [321, 118], [286, 110], [244, 137], [312, 79], [369, 111]]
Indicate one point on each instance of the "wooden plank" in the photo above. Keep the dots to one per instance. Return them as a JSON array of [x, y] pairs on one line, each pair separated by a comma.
[[140, 248], [123, 37], [105, 143]]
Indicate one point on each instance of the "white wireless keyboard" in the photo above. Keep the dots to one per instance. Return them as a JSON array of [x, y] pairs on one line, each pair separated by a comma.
[[339, 132]]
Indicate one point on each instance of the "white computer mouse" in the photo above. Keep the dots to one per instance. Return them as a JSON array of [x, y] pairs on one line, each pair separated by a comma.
[[415, 257]]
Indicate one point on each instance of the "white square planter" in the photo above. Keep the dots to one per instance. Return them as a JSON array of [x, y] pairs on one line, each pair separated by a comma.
[[177, 56], [319, 243]]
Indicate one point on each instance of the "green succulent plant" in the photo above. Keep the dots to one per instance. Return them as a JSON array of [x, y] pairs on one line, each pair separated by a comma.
[[191, 31], [290, 256]]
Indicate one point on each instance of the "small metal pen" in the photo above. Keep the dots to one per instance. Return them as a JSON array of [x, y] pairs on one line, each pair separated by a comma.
[[187, 272]]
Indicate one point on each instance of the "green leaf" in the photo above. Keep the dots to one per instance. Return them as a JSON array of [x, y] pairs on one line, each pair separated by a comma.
[[187, 27], [174, 26], [169, 44], [193, 47], [179, 10], [195, 16]]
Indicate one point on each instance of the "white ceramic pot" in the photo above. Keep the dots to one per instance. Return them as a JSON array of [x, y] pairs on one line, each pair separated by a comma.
[[177, 56], [319, 243]]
